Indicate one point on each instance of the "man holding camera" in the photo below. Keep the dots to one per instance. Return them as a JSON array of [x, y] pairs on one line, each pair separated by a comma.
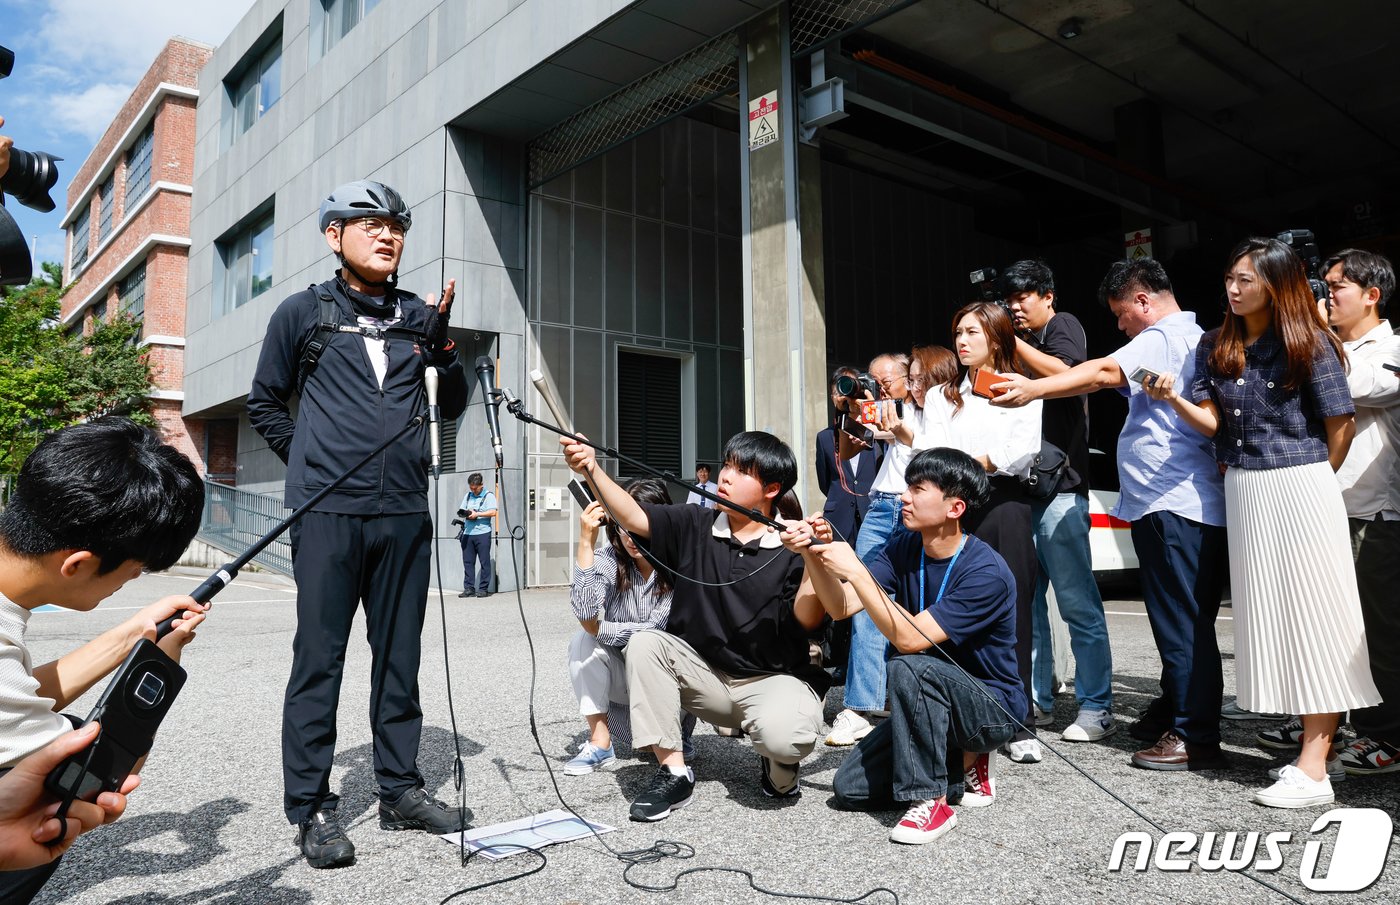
[[355, 349], [474, 515], [1171, 491], [1361, 284], [1050, 342]]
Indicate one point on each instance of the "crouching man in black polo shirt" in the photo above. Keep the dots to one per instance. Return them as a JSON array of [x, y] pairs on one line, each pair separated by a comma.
[[734, 651], [951, 705]]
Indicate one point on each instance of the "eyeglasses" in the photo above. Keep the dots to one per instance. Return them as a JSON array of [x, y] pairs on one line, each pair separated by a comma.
[[918, 382], [887, 382], [375, 227]]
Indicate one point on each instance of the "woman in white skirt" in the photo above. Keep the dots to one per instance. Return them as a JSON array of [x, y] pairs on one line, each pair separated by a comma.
[[615, 593], [1271, 390]]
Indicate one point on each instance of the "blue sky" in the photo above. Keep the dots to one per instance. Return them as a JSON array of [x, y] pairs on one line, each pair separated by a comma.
[[76, 62]]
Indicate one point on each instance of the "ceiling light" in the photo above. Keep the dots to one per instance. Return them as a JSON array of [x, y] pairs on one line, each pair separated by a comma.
[[1071, 28]]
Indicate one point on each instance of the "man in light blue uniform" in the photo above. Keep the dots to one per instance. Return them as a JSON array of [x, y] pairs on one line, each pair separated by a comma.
[[1172, 493], [477, 510]]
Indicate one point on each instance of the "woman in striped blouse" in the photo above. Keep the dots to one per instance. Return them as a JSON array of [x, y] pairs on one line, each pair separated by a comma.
[[616, 592]]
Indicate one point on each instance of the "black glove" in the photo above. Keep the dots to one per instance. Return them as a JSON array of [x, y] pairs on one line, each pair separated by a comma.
[[438, 342]]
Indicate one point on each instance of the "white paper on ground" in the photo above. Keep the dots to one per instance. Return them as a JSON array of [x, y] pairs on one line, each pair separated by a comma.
[[502, 840]]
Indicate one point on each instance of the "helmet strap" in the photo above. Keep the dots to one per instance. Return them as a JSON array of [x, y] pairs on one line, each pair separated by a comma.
[[390, 283]]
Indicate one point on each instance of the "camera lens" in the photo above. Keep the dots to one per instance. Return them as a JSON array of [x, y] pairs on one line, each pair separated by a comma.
[[846, 385], [29, 178]]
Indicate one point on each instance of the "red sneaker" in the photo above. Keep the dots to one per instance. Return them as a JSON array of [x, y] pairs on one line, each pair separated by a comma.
[[979, 788], [924, 822]]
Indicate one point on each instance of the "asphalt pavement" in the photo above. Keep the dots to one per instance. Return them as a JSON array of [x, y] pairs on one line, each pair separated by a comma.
[[207, 823]]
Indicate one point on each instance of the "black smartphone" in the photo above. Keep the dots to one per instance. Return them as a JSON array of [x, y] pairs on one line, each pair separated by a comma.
[[1390, 367], [851, 426], [582, 495], [130, 710]]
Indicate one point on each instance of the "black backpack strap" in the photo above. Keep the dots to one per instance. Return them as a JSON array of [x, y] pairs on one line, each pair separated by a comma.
[[329, 325]]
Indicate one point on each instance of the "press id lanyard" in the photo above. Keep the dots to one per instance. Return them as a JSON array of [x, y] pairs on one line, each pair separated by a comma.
[[923, 573]]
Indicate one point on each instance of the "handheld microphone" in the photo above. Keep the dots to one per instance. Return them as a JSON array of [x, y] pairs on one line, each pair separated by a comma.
[[430, 383], [486, 374], [551, 401]]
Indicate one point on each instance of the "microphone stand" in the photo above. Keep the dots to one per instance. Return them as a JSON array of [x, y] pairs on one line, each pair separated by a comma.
[[222, 578], [517, 408]]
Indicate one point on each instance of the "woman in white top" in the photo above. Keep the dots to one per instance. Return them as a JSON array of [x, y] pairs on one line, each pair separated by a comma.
[[1004, 441], [616, 593]]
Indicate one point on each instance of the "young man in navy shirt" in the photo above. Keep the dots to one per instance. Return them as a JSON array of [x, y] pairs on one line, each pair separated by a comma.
[[953, 684]]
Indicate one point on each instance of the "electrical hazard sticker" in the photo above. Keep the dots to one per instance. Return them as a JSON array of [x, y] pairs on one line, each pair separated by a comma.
[[763, 120]]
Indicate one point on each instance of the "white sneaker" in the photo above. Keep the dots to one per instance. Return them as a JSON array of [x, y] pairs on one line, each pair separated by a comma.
[[1024, 751], [979, 785], [1295, 789], [1090, 726], [848, 728], [1336, 769]]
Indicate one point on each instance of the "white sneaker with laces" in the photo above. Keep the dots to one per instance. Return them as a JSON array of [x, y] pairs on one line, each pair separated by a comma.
[[848, 728], [1336, 768], [1024, 751], [1295, 789], [1090, 726]]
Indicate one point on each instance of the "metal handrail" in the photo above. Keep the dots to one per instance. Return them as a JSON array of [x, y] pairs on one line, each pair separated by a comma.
[[235, 519]]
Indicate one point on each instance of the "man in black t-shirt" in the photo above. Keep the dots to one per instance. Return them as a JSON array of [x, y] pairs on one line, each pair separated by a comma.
[[954, 685], [1050, 342], [735, 648]]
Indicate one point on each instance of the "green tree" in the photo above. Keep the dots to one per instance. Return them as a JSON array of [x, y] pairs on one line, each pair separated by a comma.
[[49, 379]]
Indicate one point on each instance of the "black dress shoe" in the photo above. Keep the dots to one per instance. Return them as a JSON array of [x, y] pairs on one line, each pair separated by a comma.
[[1154, 721], [417, 810], [467, 593], [324, 843]]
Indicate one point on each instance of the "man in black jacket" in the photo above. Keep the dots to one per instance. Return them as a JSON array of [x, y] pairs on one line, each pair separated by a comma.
[[354, 349]]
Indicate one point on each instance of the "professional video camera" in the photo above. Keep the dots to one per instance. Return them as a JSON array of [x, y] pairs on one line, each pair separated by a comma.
[[1304, 245], [988, 286], [30, 177]]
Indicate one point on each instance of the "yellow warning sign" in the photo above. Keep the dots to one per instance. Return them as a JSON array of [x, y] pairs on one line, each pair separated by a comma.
[[763, 120]]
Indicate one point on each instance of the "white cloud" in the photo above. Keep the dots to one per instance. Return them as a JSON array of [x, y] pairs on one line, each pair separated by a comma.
[[116, 42], [88, 112]]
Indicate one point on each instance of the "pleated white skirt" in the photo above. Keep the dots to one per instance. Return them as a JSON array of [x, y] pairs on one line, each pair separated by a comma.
[[1300, 645]]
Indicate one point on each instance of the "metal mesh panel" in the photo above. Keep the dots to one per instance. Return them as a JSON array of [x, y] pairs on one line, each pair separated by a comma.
[[699, 76], [817, 21]]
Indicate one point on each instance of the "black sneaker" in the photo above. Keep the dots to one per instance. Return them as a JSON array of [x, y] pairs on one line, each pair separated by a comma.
[[417, 810], [324, 843], [666, 793], [778, 780], [467, 593]]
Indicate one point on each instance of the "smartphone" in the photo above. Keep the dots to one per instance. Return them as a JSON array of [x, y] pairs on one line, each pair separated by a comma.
[[982, 384], [1143, 376], [1390, 367], [130, 710], [855, 428], [870, 410], [582, 495]]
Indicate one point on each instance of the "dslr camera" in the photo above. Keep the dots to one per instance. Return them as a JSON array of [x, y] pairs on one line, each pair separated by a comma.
[[30, 177], [1304, 245], [988, 287], [866, 411]]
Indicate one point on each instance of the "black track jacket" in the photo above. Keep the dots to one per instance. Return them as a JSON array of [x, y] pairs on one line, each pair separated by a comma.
[[344, 414]]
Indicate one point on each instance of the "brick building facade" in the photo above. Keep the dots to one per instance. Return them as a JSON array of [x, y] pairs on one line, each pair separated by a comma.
[[128, 225]]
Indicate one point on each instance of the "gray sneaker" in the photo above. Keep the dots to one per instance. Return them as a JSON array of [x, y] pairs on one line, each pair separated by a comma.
[[1090, 726]]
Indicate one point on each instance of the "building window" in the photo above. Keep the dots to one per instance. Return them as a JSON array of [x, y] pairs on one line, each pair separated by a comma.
[[132, 291], [332, 20], [106, 199], [138, 165], [247, 260], [648, 411], [80, 238], [256, 88], [99, 314]]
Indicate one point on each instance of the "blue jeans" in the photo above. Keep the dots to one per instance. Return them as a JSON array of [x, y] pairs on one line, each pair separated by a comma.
[[1062, 547], [936, 713], [1183, 565], [865, 670]]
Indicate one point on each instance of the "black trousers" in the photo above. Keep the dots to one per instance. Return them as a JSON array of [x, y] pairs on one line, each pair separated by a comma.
[[1006, 525], [341, 562], [1183, 568], [476, 562]]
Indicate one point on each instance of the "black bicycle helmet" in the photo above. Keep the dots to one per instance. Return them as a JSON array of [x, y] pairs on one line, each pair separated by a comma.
[[364, 198]]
